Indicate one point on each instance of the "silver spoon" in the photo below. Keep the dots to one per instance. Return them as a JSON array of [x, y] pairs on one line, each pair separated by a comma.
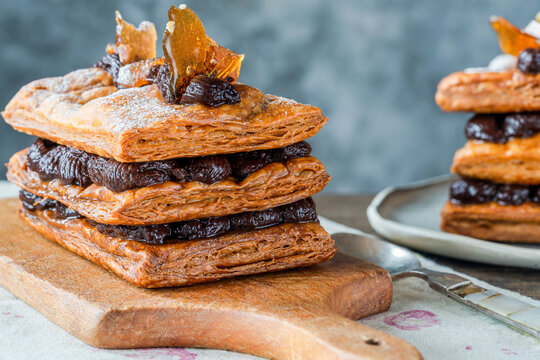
[[400, 262]]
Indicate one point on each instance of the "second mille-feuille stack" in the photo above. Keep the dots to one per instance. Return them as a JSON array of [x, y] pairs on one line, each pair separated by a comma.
[[164, 170], [498, 194]]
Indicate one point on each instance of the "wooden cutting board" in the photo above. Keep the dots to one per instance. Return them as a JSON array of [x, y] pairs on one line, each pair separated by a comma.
[[297, 314]]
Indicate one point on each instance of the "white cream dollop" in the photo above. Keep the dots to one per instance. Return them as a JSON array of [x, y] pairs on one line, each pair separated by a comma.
[[499, 63], [533, 29], [502, 62]]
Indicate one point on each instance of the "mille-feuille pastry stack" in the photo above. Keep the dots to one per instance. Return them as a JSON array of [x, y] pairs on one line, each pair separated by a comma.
[[497, 196], [165, 170]]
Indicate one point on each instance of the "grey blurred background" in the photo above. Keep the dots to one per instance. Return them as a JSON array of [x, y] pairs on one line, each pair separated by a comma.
[[372, 66]]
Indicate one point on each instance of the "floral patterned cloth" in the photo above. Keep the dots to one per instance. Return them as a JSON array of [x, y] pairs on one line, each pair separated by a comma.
[[442, 328], [438, 326]]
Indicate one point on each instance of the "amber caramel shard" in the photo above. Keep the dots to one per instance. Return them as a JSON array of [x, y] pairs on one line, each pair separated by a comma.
[[190, 52], [226, 62], [511, 39], [134, 44]]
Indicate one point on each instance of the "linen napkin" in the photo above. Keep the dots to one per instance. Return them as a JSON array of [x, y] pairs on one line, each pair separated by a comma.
[[439, 327]]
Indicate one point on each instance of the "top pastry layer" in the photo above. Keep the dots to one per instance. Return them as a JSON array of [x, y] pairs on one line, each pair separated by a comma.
[[489, 92], [84, 109]]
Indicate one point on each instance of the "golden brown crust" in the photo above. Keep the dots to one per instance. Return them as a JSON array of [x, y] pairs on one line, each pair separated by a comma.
[[273, 185], [275, 248], [83, 110], [489, 92], [493, 222], [517, 161]]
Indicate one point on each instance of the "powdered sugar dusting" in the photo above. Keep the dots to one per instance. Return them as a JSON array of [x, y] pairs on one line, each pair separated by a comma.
[[142, 107], [134, 108], [126, 76], [284, 101], [77, 80]]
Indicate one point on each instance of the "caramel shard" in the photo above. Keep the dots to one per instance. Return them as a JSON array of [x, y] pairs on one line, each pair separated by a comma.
[[134, 44], [185, 47], [511, 39], [190, 52], [226, 62]]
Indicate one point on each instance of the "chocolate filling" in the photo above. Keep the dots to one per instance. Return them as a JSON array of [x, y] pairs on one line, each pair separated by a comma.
[[33, 202], [210, 91], [75, 167], [111, 64], [529, 61], [297, 212], [499, 128], [473, 191]]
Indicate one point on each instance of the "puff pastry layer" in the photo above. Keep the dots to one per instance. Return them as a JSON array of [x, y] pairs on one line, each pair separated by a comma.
[[275, 248], [84, 110], [489, 92], [493, 222], [517, 161], [273, 185]]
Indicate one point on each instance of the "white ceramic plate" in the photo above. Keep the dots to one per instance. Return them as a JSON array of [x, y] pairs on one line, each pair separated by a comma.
[[8, 190], [410, 216]]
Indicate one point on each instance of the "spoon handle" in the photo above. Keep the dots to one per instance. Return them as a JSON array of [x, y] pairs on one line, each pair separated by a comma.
[[513, 312]]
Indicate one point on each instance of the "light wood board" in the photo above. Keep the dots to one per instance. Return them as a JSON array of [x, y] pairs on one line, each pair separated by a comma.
[[297, 314]]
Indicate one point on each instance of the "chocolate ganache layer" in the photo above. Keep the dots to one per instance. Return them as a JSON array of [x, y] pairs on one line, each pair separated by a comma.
[[75, 167], [472, 191], [499, 128], [297, 212]]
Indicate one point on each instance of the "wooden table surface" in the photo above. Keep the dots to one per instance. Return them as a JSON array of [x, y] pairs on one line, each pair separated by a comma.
[[351, 210]]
